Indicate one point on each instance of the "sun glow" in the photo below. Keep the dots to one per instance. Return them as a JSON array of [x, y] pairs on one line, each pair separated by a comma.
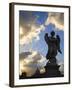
[[21, 30]]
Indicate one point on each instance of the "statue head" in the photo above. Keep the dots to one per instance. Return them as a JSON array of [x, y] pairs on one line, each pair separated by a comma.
[[52, 33], [46, 34]]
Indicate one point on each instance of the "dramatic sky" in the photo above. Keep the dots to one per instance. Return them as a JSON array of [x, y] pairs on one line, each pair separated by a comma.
[[34, 25]]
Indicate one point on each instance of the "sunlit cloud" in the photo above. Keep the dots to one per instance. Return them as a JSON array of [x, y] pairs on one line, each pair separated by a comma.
[[29, 30], [27, 69], [27, 34], [42, 70], [56, 19], [29, 62]]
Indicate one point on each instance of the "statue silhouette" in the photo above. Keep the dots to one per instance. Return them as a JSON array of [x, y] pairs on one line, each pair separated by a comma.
[[58, 43], [53, 46]]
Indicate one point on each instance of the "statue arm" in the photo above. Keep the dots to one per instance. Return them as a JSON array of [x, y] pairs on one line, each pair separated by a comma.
[[46, 38]]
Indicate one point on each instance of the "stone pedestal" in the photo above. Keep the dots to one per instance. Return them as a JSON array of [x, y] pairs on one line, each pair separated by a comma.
[[52, 70]]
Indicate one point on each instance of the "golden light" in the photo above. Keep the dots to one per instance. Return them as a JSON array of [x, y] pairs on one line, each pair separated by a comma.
[[21, 30], [55, 18], [33, 54], [42, 70], [24, 67]]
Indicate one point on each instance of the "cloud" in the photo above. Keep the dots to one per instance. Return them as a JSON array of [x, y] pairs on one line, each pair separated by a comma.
[[29, 29], [30, 32], [56, 19], [62, 68], [24, 55], [36, 57], [31, 61], [24, 67]]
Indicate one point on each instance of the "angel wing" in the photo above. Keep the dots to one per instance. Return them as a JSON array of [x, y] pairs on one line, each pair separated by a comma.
[[58, 43]]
